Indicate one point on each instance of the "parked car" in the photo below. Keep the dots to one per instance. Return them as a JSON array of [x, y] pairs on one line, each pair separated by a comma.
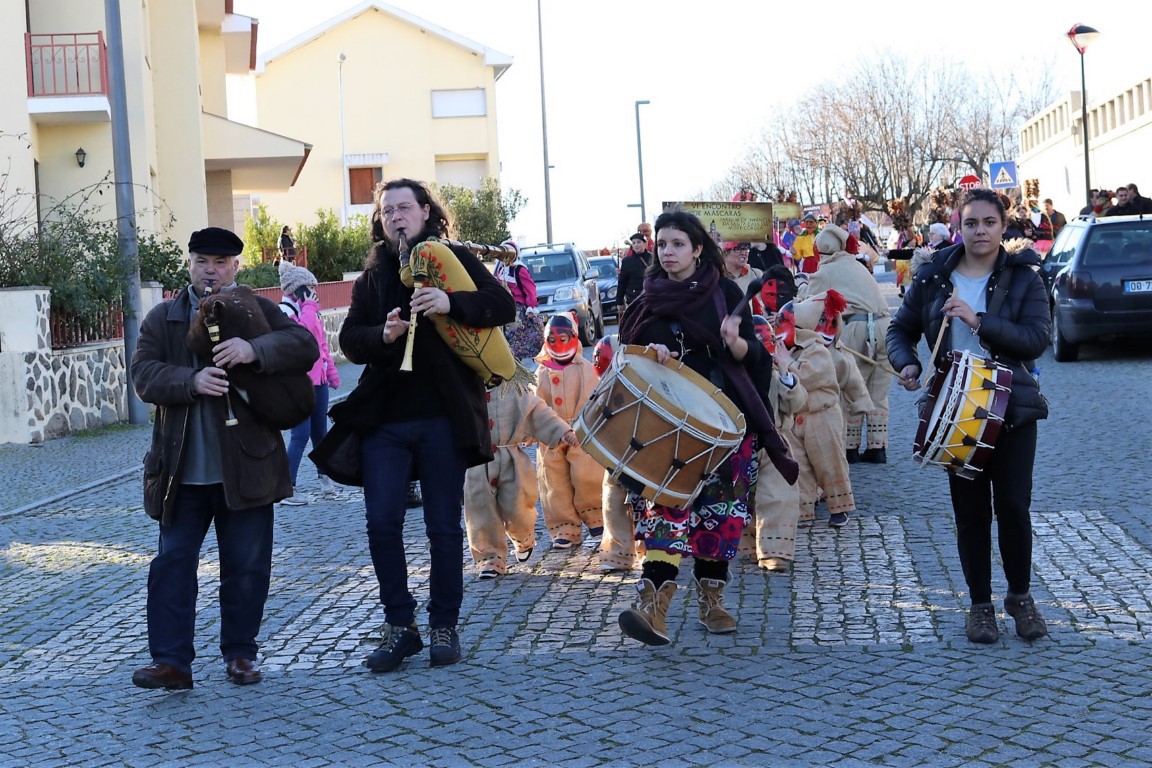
[[565, 281], [607, 271], [1100, 271]]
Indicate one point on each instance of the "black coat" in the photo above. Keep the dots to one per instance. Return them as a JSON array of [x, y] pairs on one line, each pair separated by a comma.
[[440, 381], [630, 280], [1019, 332]]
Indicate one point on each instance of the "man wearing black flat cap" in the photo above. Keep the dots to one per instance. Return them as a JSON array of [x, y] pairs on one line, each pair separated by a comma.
[[201, 471]]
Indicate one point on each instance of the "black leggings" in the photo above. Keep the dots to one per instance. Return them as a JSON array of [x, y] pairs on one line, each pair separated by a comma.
[[659, 571], [1005, 486]]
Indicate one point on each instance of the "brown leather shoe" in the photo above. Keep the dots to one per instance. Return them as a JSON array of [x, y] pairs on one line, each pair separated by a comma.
[[163, 676], [244, 671]]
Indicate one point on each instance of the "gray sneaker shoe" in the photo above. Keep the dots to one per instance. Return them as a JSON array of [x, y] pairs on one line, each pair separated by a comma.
[[1029, 623], [398, 645], [982, 626]]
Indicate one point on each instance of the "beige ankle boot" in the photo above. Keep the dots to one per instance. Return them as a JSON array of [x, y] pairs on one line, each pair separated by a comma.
[[710, 598], [645, 620]]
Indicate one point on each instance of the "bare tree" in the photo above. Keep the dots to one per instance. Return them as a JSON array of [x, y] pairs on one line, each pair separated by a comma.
[[895, 129]]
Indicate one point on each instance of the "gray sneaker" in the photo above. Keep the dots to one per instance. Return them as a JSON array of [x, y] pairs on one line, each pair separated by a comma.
[[1029, 623], [982, 626], [399, 643]]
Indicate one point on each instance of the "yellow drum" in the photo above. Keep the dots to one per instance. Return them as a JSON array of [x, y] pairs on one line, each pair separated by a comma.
[[965, 411]]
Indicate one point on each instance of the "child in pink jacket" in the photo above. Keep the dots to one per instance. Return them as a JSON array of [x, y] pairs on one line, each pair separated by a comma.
[[300, 303]]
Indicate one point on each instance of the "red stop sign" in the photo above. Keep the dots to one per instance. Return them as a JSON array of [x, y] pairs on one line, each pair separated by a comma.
[[970, 182]]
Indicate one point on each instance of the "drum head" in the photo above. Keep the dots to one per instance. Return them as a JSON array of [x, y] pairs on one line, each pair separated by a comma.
[[685, 389]]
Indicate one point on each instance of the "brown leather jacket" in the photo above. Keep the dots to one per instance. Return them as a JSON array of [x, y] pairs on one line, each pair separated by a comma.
[[255, 463]]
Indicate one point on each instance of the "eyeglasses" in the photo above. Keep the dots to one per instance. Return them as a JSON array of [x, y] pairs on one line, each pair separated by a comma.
[[403, 209]]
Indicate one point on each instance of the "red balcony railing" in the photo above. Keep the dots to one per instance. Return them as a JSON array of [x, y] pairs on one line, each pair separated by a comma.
[[66, 64]]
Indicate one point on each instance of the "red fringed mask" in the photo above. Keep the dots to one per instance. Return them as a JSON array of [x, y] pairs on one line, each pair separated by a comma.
[[561, 342], [763, 330], [786, 326], [602, 354]]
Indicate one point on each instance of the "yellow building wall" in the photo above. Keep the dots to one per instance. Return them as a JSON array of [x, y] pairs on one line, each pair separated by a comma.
[[14, 123], [178, 148], [387, 107], [212, 73]]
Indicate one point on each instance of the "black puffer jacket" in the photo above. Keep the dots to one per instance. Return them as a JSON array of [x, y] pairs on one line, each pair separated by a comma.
[[1018, 332]]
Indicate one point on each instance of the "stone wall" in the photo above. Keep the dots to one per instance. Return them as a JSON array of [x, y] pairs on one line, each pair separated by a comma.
[[46, 393]]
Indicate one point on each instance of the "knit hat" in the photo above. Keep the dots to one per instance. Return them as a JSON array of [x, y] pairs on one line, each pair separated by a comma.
[[295, 277], [831, 239], [215, 241]]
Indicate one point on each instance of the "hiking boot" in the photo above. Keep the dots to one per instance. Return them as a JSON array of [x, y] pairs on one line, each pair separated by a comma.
[[710, 599], [645, 620], [1029, 623], [399, 644], [982, 626], [445, 648]]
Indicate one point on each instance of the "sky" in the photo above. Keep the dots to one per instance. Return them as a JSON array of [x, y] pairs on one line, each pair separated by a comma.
[[715, 74]]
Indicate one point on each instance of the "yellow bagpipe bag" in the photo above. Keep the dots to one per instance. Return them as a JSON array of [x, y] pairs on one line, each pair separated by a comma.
[[484, 350]]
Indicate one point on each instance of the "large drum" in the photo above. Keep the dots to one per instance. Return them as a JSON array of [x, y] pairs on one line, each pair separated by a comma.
[[965, 411], [662, 425]]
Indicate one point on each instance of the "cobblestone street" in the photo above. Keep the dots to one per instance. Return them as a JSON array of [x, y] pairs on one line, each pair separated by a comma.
[[857, 658]]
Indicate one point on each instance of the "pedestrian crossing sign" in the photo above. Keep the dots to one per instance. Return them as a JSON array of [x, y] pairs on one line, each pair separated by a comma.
[[1003, 175]]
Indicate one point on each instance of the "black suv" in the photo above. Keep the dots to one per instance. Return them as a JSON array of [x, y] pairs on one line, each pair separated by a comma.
[[1100, 275], [566, 282]]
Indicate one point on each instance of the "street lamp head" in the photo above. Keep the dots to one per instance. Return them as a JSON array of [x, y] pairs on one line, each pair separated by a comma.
[[1081, 35], [341, 58], [645, 101]]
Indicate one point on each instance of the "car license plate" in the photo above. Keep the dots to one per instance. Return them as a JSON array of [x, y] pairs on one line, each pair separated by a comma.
[[1138, 286]]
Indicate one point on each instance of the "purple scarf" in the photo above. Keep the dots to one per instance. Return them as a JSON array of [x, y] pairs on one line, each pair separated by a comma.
[[682, 301]]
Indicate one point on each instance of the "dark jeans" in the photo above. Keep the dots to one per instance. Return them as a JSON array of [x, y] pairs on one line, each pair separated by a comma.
[[315, 426], [1005, 486], [245, 543], [388, 455]]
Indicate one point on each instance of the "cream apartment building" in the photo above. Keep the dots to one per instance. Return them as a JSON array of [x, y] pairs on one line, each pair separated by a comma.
[[437, 124], [1119, 134], [188, 159]]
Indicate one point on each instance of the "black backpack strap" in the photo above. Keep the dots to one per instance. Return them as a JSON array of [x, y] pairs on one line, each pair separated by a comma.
[[291, 307]]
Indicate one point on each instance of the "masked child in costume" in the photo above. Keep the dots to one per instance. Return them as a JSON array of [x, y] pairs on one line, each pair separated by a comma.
[[571, 481], [500, 496], [771, 534], [819, 426], [619, 549]]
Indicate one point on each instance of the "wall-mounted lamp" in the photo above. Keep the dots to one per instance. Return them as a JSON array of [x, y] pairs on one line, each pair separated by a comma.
[[81, 156]]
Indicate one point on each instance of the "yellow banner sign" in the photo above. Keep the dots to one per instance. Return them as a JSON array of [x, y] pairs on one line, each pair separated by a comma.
[[731, 222]]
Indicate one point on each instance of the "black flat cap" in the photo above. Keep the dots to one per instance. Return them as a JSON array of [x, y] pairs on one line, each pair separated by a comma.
[[215, 241]]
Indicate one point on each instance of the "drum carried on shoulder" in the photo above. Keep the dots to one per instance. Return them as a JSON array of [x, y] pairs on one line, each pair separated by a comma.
[[661, 425], [962, 419]]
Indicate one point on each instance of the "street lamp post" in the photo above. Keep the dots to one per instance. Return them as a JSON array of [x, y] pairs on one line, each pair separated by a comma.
[[640, 160], [1080, 35], [544, 128], [343, 145]]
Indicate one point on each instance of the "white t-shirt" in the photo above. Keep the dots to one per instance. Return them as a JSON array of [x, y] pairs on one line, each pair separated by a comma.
[[974, 291]]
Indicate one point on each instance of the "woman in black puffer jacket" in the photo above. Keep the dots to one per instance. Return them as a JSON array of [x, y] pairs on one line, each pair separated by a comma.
[[959, 282]]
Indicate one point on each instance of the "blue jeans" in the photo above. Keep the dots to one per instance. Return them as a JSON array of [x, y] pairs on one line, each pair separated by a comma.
[[315, 426], [389, 454], [245, 543]]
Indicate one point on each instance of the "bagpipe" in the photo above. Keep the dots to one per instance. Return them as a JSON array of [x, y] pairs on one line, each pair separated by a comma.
[[484, 350], [278, 400]]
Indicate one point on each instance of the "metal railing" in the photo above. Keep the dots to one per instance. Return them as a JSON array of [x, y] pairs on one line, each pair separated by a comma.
[[73, 64], [72, 330]]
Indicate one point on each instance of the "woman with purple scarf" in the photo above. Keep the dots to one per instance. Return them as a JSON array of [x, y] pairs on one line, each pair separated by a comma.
[[685, 312]]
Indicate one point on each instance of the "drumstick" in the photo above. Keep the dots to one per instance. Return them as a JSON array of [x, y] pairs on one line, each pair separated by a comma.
[[753, 289], [940, 336], [877, 363]]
